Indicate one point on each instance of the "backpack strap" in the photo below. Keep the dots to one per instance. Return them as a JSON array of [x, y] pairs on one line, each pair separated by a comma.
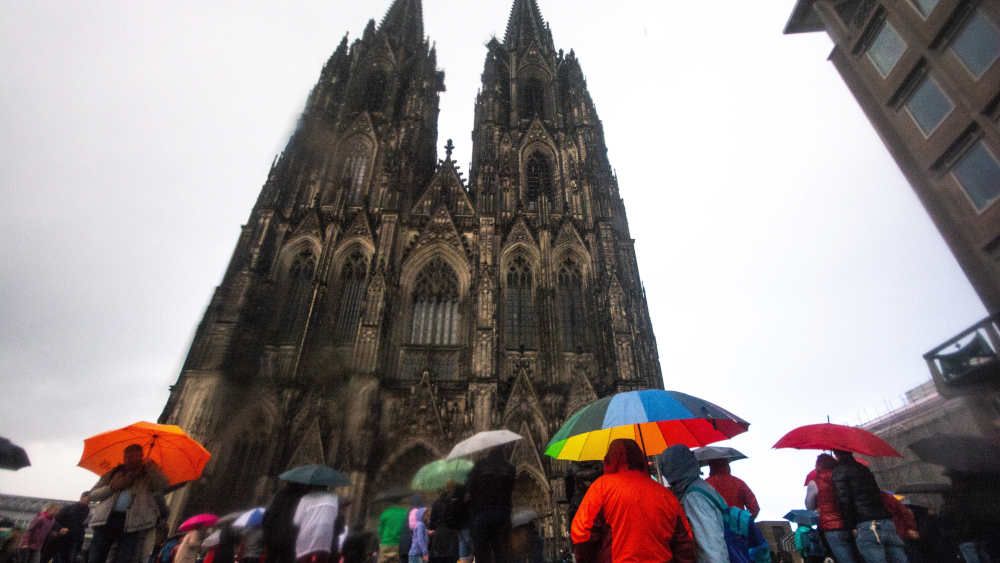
[[716, 500]]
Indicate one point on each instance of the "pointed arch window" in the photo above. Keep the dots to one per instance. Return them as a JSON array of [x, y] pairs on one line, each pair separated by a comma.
[[519, 310], [533, 99], [352, 292], [299, 294], [435, 306], [353, 170], [375, 86], [538, 178], [570, 303]]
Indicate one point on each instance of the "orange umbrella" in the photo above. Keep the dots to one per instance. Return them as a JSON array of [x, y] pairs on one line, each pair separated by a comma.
[[178, 455]]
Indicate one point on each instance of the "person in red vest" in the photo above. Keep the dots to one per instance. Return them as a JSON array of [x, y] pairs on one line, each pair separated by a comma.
[[733, 489]]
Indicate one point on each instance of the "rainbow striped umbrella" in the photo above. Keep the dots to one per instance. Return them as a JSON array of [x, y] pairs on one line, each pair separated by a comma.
[[654, 418]]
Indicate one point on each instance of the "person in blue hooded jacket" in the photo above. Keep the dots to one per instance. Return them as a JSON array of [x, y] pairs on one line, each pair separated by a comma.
[[682, 472]]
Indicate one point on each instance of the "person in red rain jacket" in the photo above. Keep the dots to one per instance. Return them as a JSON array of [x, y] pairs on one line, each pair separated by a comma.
[[821, 497], [647, 522], [733, 489], [902, 517]]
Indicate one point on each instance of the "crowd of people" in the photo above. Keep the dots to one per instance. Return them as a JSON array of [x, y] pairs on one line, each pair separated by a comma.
[[618, 511]]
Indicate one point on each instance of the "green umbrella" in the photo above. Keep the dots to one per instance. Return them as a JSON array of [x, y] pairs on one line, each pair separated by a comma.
[[436, 474]]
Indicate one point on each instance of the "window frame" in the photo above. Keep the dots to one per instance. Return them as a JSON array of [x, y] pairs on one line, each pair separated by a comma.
[[961, 186], [964, 27], [917, 8], [906, 46], [906, 105]]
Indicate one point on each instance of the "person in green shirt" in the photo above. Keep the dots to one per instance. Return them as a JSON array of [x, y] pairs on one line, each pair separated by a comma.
[[390, 527]]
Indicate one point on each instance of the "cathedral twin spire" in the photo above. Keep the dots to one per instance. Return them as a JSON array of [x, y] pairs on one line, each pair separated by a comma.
[[526, 25], [404, 22]]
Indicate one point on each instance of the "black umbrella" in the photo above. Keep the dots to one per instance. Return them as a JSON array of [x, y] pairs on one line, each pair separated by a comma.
[[392, 494], [968, 454], [12, 456], [926, 488], [712, 453]]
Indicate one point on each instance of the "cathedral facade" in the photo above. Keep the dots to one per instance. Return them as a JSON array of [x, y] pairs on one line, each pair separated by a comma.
[[379, 306]]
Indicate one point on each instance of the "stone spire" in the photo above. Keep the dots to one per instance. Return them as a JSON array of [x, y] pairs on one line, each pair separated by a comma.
[[526, 24], [404, 23]]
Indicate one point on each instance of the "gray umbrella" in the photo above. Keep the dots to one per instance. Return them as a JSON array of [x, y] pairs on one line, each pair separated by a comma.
[[969, 454], [483, 441], [12, 456], [712, 453]]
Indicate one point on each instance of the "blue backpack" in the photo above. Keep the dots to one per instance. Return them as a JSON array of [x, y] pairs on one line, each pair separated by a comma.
[[744, 541]]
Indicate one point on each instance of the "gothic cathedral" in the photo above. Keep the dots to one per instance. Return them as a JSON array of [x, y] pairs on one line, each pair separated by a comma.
[[379, 306]]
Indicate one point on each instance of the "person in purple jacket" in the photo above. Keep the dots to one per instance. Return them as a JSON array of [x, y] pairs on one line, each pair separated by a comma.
[[418, 547]]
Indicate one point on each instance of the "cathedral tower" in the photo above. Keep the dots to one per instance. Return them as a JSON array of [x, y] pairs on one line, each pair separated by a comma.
[[379, 306]]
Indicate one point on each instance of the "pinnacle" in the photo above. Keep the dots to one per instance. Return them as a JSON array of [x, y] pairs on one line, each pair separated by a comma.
[[404, 22], [525, 24]]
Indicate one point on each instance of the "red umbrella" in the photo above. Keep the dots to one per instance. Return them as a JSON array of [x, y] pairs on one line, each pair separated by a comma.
[[828, 436]]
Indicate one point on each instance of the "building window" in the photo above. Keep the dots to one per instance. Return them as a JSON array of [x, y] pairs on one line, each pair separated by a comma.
[[352, 172], [570, 301], [928, 106], [533, 99], [538, 176], [375, 87], [299, 296], [978, 44], [887, 49], [978, 172], [435, 306], [352, 292], [924, 7], [519, 309]]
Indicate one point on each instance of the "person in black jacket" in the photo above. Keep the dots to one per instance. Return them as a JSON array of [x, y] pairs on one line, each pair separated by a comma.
[[860, 501], [73, 516], [490, 487]]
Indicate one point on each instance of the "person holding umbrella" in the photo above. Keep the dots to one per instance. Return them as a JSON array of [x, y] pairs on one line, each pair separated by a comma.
[[860, 502], [126, 507], [821, 497], [733, 489], [490, 486]]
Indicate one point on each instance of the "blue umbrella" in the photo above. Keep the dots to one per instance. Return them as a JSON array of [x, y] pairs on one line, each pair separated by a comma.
[[316, 474], [803, 517]]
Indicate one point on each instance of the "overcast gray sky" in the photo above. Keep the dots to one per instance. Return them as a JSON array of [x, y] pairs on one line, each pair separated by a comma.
[[790, 271]]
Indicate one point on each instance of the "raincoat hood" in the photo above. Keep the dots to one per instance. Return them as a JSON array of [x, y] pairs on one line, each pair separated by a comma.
[[679, 467], [624, 455], [416, 515]]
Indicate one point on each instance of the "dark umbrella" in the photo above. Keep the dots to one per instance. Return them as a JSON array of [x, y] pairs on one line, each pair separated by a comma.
[[12, 456], [315, 474], [392, 494], [922, 488], [969, 454], [712, 453], [804, 517]]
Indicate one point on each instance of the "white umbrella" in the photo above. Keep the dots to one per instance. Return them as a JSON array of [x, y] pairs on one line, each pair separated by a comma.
[[482, 441], [251, 518], [212, 540]]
